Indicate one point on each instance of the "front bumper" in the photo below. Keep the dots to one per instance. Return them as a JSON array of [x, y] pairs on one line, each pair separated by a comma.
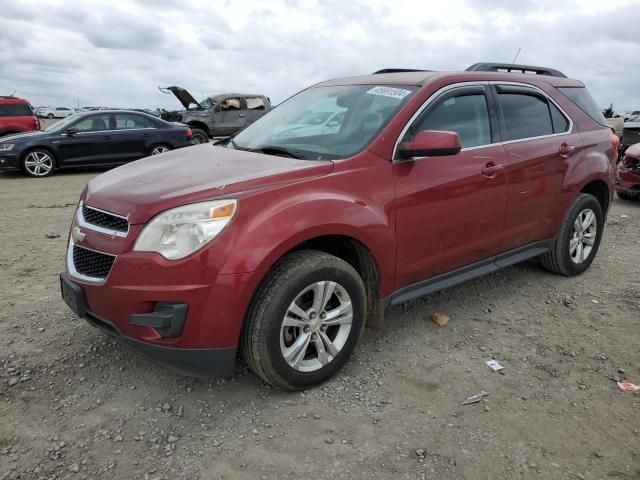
[[9, 162], [203, 358], [627, 180]]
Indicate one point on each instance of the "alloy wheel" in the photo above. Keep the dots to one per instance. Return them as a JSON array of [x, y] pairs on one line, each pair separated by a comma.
[[38, 164], [584, 236], [316, 326], [159, 149]]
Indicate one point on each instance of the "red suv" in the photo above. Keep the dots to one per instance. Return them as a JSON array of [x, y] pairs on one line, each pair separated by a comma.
[[16, 116], [285, 246]]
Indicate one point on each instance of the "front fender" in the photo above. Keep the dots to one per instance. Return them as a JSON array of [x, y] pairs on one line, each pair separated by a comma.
[[356, 203]]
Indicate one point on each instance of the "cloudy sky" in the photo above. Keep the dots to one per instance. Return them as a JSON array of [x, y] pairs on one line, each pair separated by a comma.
[[117, 52]]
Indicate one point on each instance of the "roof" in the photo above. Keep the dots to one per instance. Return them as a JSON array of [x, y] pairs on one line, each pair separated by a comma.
[[421, 78]]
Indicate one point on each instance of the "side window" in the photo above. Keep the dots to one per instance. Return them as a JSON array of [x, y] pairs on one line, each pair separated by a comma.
[[524, 116], [560, 122], [127, 121], [230, 104], [467, 115], [255, 103], [94, 123], [15, 110]]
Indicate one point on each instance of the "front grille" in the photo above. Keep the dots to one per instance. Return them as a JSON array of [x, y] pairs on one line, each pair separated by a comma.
[[90, 263], [104, 220]]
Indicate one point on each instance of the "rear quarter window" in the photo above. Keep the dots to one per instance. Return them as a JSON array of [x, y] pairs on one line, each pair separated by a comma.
[[15, 110], [582, 98]]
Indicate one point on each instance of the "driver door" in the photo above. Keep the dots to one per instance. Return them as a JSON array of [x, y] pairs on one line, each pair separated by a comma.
[[450, 210], [87, 145]]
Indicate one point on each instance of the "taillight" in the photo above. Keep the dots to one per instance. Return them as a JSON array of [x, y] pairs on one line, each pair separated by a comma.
[[190, 133], [615, 144]]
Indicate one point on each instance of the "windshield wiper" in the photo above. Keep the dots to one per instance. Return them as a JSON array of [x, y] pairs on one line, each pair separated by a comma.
[[275, 150]]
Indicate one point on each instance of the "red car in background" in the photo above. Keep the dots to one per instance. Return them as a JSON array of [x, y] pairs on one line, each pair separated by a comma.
[[17, 116], [628, 174]]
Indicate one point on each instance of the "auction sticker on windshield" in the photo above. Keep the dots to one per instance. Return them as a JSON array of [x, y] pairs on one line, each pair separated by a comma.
[[389, 92]]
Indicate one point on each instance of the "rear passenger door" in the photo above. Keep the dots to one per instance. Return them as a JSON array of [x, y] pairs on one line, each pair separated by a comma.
[[450, 210], [539, 147], [128, 138]]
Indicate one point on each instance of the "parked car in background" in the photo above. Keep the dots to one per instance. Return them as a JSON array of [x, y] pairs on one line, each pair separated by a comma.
[[16, 116], [285, 247], [57, 112], [632, 114], [631, 134], [628, 174], [218, 115], [105, 138]]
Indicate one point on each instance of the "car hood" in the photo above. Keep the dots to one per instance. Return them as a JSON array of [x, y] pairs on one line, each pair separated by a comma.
[[183, 96], [22, 136], [142, 189]]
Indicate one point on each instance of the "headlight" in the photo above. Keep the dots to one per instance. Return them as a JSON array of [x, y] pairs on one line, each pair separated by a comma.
[[5, 147], [179, 232]]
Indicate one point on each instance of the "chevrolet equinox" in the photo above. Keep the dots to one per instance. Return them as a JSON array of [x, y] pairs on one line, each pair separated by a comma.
[[284, 247]]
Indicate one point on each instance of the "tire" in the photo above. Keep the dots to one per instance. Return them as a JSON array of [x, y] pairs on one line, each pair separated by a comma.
[[572, 252], [628, 196], [50, 116], [38, 163], [158, 149], [295, 279], [199, 136]]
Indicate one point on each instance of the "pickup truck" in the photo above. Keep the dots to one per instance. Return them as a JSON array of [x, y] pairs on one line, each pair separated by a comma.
[[218, 115]]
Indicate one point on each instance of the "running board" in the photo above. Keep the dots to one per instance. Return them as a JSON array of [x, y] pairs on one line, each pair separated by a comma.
[[464, 274]]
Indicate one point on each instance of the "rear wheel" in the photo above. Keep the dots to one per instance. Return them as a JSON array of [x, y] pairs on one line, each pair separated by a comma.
[[38, 163], [576, 246], [158, 149], [199, 136], [50, 116], [305, 320]]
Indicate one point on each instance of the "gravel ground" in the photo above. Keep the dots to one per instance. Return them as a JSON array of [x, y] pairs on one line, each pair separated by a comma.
[[76, 404]]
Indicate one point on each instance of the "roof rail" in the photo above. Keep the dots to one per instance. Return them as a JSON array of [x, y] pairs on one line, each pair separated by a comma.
[[398, 70], [510, 67]]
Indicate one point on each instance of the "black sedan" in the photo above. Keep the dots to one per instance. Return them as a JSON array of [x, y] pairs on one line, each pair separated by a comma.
[[105, 138]]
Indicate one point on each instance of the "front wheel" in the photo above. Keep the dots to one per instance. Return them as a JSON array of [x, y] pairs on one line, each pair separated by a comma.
[[38, 163], [576, 246], [305, 320], [50, 116]]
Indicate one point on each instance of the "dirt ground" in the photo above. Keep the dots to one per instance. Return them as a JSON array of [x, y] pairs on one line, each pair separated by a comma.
[[76, 404]]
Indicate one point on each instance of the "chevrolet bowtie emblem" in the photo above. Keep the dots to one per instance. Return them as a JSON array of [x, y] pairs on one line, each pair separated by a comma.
[[77, 235]]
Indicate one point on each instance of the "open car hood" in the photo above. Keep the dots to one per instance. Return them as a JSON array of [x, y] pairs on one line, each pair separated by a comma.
[[185, 98]]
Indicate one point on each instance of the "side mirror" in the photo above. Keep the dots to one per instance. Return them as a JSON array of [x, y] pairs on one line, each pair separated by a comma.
[[71, 131], [431, 143]]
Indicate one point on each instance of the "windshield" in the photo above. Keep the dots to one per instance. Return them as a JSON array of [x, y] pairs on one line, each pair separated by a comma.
[[207, 103], [63, 124], [325, 122]]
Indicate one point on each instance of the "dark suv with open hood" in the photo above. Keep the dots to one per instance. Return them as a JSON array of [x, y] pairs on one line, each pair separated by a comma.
[[218, 115]]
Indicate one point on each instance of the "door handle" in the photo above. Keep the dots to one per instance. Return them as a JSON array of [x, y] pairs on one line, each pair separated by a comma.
[[566, 150], [242, 115], [491, 169]]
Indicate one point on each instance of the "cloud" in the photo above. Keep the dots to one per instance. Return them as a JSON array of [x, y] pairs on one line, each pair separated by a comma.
[[117, 52]]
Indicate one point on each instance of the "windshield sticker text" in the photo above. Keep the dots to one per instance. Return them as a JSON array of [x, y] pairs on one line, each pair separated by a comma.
[[398, 93]]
